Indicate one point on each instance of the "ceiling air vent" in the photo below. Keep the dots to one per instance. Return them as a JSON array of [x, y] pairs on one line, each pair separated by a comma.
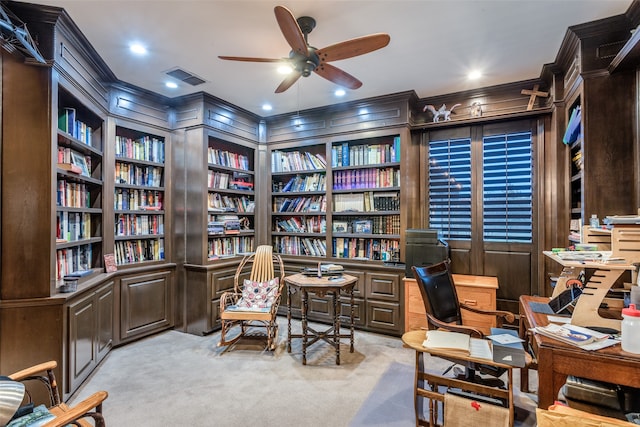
[[185, 76]]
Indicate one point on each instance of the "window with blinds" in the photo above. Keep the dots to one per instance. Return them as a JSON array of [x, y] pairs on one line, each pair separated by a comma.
[[507, 190], [450, 188]]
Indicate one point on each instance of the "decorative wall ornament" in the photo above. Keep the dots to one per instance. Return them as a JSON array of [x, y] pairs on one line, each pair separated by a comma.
[[532, 95], [440, 112], [475, 110]]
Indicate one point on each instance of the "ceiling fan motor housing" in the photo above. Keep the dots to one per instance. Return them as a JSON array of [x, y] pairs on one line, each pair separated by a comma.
[[305, 65]]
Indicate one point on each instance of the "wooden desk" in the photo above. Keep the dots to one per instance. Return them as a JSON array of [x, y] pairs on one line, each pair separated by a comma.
[[321, 286], [475, 291], [426, 384], [557, 360]]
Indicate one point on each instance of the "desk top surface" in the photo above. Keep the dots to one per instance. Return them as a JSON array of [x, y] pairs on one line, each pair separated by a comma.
[[534, 319], [414, 339], [302, 280]]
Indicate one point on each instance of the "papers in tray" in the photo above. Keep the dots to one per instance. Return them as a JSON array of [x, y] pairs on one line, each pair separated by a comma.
[[457, 342]]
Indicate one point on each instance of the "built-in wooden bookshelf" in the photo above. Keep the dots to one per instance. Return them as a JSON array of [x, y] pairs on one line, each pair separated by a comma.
[[79, 189], [230, 199], [299, 204], [360, 185], [139, 199], [366, 199]]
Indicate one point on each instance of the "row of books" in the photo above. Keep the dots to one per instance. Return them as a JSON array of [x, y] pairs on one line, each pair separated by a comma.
[[150, 176], [67, 122], [72, 195], [366, 202], [138, 225], [314, 182], [229, 246], [388, 224], [291, 161], [300, 204], [373, 249], [219, 180], [137, 199], [577, 160], [224, 203], [346, 154], [228, 159], [296, 224], [146, 148], [296, 245], [366, 178], [134, 251], [72, 226], [71, 260]]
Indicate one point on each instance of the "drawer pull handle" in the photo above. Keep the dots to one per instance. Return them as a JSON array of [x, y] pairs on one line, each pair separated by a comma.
[[470, 302]]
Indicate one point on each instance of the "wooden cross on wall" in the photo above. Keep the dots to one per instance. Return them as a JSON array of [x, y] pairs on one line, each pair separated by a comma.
[[532, 95]]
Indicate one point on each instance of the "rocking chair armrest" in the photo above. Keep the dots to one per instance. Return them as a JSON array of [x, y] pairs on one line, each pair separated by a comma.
[[81, 410], [229, 298], [473, 332], [499, 314], [33, 370]]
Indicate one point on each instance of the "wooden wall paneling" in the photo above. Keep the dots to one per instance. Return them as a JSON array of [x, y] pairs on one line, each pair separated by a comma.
[[143, 108], [196, 195], [609, 142], [197, 309], [32, 331], [27, 189], [374, 113], [513, 270]]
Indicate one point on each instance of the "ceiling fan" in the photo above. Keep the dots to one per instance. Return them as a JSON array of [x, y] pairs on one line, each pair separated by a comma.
[[306, 59]]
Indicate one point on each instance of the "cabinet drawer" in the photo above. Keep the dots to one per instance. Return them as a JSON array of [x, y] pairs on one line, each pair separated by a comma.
[[382, 286], [359, 311], [384, 316], [476, 297], [221, 281]]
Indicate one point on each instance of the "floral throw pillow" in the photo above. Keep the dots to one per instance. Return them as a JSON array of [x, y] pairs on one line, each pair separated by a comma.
[[258, 295]]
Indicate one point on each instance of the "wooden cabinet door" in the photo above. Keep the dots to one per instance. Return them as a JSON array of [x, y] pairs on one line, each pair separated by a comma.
[[146, 304], [104, 321], [82, 358]]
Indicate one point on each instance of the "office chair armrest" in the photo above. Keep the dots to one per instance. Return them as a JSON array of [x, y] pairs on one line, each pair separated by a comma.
[[66, 415], [469, 330], [500, 315]]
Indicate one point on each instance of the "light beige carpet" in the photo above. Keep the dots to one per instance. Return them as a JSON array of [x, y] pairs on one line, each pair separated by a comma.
[[177, 379]]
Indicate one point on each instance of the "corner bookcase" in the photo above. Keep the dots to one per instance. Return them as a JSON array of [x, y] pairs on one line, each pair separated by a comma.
[[139, 196], [299, 201], [230, 199], [79, 190]]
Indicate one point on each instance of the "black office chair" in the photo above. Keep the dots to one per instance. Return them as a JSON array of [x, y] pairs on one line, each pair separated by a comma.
[[444, 312]]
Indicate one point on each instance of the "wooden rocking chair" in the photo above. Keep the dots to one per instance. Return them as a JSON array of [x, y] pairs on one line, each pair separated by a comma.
[[263, 269], [77, 415]]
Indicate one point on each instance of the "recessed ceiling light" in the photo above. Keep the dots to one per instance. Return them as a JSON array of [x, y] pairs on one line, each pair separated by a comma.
[[340, 92], [474, 75], [267, 107], [285, 69], [137, 48], [171, 85]]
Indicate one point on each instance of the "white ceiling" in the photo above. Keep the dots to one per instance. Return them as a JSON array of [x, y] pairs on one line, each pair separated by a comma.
[[433, 43]]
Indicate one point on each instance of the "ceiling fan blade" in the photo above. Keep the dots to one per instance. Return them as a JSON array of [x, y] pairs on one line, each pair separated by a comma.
[[291, 30], [249, 59], [353, 47], [288, 81], [337, 76]]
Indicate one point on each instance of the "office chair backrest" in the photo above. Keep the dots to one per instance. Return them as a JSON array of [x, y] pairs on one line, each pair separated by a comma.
[[438, 292]]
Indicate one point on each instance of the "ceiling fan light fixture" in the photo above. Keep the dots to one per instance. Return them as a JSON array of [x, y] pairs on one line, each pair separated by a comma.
[[285, 69]]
